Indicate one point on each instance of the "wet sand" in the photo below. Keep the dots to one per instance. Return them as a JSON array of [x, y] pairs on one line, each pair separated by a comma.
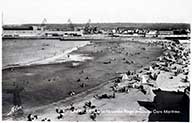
[[45, 84]]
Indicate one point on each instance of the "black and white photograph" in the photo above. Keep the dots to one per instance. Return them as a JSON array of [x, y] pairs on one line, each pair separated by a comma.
[[96, 60]]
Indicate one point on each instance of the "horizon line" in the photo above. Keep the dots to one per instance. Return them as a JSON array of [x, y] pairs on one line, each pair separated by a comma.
[[103, 23]]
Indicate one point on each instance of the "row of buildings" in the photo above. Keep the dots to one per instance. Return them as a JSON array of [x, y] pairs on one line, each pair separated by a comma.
[[35, 31], [43, 32], [161, 33]]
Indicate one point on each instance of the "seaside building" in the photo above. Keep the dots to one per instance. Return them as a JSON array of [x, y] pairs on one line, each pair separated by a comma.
[[62, 33], [22, 31], [165, 32], [151, 33], [174, 34]]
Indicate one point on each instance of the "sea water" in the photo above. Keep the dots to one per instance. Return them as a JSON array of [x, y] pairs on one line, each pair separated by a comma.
[[23, 52]]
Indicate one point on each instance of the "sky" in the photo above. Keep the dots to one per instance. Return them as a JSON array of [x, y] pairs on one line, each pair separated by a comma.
[[80, 11]]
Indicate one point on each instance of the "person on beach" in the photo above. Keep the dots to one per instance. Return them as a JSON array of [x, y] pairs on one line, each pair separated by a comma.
[[105, 96], [83, 111], [31, 117], [72, 108], [45, 119]]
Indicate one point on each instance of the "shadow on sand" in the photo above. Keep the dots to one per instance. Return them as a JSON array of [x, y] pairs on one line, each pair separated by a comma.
[[168, 106]]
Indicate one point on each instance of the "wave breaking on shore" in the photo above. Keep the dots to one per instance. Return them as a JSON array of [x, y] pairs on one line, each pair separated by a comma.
[[57, 58]]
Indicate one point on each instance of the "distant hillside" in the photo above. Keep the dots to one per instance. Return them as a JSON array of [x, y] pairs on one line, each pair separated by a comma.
[[156, 26]]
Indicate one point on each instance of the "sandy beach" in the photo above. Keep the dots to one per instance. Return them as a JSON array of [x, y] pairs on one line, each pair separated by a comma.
[[47, 87]]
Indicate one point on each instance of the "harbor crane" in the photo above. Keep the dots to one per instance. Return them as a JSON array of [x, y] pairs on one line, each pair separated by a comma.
[[44, 22], [71, 26], [87, 29], [42, 25]]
